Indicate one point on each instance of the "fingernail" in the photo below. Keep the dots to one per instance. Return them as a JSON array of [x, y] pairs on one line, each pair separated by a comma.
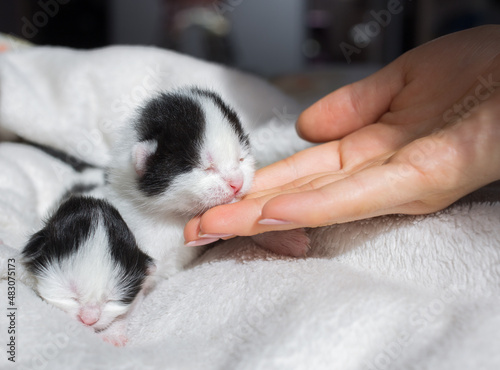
[[200, 242], [210, 236], [272, 221]]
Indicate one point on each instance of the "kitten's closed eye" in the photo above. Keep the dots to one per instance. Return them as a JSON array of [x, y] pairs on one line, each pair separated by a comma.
[[87, 262], [65, 304]]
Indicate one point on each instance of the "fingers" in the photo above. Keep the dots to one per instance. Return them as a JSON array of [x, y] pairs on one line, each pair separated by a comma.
[[306, 183], [410, 182], [314, 200], [353, 106], [424, 176], [238, 218], [321, 158], [227, 217], [356, 150], [284, 175], [311, 204], [194, 237], [192, 229], [368, 193]]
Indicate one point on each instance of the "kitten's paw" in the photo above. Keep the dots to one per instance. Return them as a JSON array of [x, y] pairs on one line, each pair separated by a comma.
[[117, 340], [293, 243], [116, 333]]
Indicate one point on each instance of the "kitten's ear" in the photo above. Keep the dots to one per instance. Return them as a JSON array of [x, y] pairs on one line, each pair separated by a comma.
[[140, 154], [31, 253], [35, 247]]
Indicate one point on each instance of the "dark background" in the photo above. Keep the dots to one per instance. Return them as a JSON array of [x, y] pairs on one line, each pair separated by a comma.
[[267, 37]]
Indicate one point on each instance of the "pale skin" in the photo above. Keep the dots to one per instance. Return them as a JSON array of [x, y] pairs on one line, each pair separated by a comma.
[[410, 139]]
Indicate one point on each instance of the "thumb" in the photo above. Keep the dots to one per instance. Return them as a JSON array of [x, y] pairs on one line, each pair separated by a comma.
[[352, 106]]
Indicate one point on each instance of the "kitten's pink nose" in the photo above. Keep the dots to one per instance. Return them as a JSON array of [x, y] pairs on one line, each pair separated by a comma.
[[89, 315], [236, 184]]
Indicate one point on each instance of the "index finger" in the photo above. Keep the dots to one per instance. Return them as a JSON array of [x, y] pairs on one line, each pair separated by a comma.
[[318, 159]]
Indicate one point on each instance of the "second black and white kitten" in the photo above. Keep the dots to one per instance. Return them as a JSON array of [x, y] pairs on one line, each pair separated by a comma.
[[85, 261], [83, 258]]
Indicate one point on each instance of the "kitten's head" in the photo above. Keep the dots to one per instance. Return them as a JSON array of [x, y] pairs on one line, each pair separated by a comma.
[[87, 262], [191, 153]]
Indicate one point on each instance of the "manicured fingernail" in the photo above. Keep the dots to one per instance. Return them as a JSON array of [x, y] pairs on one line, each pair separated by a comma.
[[210, 236], [200, 242], [272, 221]]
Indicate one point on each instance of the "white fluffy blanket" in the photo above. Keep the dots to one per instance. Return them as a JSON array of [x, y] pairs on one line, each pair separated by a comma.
[[387, 293]]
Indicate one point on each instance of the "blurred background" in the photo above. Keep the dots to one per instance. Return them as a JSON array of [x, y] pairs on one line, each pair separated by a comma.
[[301, 45]]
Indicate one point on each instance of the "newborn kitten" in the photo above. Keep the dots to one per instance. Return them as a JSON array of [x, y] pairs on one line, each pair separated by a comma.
[[87, 263], [185, 153]]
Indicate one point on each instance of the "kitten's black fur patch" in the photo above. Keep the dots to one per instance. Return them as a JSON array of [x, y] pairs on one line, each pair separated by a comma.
[[176, 123], [125, 251], [78, 189], [62, 235], [228, 112], [71, 225], [77, 164]]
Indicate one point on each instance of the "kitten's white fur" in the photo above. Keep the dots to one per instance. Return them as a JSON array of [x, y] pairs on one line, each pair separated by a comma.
[[86, 285], [79, 283], [158, 222]]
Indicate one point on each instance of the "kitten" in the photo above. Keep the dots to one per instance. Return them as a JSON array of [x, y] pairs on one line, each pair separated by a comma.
[[87, 263], [186, 152]]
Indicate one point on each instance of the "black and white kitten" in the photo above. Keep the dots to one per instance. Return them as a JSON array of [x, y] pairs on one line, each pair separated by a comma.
[[185, 152], [86, 262], [83, 259]]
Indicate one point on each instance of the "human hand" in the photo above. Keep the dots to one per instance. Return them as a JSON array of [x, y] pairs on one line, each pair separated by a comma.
[[412, 138]]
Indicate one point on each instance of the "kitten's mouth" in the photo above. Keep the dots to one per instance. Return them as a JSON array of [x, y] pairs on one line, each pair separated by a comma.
[[229, 199], [98, 327], [235, 199], [205, 207], [213, 202]]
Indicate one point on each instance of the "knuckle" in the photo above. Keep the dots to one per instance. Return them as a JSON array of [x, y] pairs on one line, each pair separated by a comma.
[[309, 186], [291, 164]]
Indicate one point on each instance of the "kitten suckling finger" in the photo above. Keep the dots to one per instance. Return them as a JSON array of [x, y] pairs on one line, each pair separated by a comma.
[[183, 152]]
